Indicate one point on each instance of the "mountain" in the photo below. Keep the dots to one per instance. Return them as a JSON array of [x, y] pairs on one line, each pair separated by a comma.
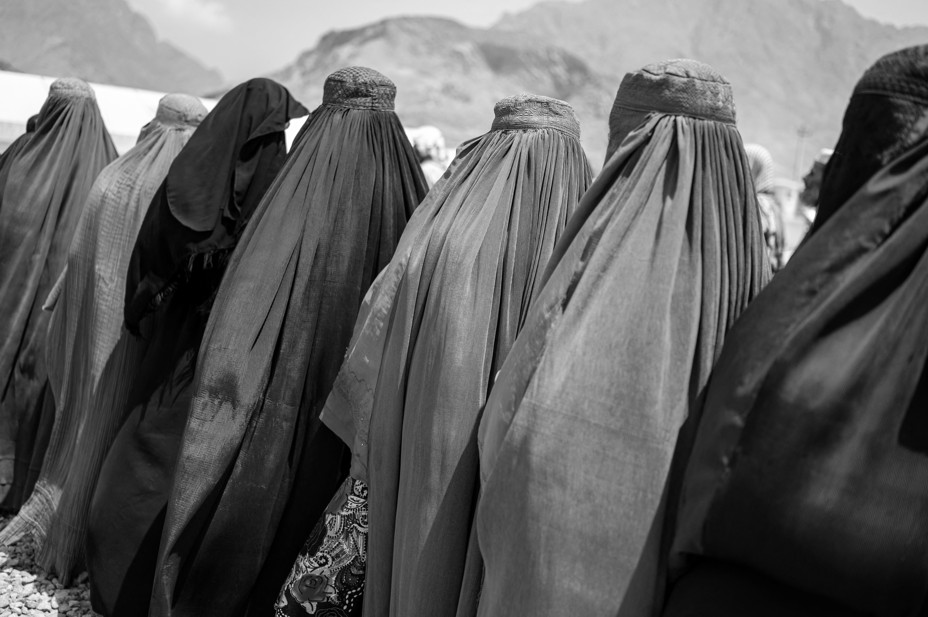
[[448, 74], [792, 63], [98, 40]]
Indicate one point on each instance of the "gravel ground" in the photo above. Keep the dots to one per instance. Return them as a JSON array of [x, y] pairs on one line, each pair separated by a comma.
[[26, 590]]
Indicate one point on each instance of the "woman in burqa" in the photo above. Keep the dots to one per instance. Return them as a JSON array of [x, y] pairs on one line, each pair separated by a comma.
[[46, 184], [194, 221], [579, 432], [256, 468], [807, 490], [433, 332], [771, 217], [86, 353]]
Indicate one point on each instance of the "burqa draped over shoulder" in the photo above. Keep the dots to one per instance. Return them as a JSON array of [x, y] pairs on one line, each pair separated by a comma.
[[47, 182], [9, 155], [256, 468], [433, 332], [195, 218], [85, 327], [809, 474], [580, 429]]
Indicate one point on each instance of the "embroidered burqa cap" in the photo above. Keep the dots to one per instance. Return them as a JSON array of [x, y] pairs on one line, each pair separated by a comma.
[[176, 111], [810, 466], [359, 87], [664, 252], [685, 87]]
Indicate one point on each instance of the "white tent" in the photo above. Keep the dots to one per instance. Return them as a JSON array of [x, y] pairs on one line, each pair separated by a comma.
[[125, 110]]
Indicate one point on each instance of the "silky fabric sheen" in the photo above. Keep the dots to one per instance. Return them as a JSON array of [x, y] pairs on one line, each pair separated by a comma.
[[579, 432], [85, 328], [256, 467], [435, 331], [810, 465], [47, 182], [129, 503], [210, 193]]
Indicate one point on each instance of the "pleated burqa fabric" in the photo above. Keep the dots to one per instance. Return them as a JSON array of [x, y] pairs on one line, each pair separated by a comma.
[[47, 183], [431, 337], [807, 489], [255, 468], [85, 335], [9, 155], [581, 427], [196, 216]]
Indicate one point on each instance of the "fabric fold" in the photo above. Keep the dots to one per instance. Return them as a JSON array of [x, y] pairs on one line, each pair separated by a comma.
[[47, 183], [173, 275], [86, 329], [255, 467], [580, 432], [433, 332]]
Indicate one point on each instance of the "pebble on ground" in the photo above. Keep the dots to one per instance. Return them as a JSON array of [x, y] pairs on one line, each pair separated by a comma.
[[28, 591]]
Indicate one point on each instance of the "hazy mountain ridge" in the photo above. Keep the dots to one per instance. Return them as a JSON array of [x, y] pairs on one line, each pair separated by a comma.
[[98, 40], [792, 63], [448, 74]]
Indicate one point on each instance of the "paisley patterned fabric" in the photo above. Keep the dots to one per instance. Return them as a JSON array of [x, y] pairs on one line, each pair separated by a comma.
[[328, 576]]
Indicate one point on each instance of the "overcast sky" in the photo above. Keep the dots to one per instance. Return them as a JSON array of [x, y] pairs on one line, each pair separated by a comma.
[[243, 38]]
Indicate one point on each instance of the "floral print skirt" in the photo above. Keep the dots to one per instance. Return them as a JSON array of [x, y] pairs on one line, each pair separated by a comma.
[[328, 577]]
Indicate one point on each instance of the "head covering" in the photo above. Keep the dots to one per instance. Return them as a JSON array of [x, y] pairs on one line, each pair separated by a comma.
[[47, 182], [86, 324], [252, 448], [810, 464], [211, 190], [578, 434], [761, 167], [176, 268], [771, 218], [432, 334]]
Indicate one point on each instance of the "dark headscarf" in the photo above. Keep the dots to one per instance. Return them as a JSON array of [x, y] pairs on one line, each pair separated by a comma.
[[47, 182], [211, 190], [434, 332], [256, 468], [811, 461], [580, 429]]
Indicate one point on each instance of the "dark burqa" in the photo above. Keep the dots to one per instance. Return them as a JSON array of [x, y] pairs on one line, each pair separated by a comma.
[[256, 468], [580, 429], [434, 332], [176, 266], [47, 182], [810, 467]]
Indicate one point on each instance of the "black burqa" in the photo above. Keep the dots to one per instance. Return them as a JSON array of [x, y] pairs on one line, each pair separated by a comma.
[[808, 483], [257, 468], [195, 219], [47, 180]]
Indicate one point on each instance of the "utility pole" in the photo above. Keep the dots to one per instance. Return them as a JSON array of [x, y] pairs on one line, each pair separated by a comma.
[[801, 133]]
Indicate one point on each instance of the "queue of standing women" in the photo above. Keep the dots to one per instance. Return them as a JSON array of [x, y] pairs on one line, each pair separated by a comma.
[[236, 380]]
